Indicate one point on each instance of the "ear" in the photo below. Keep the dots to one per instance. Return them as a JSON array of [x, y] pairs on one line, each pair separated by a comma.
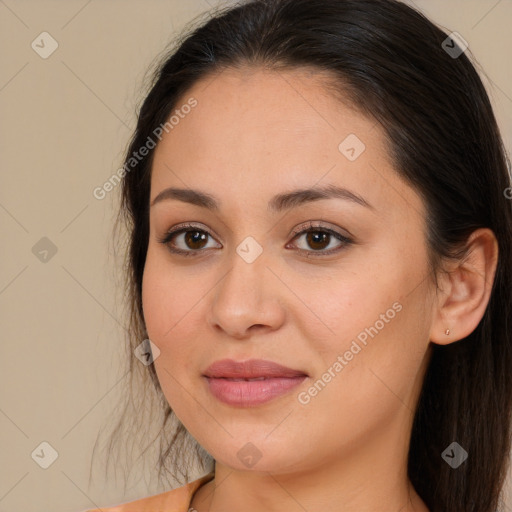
[[465, 289]]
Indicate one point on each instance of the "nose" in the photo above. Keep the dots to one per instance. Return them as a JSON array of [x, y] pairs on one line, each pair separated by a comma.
[[248, 298]]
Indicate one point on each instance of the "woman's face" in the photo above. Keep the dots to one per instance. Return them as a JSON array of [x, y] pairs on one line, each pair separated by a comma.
[[352, 314]]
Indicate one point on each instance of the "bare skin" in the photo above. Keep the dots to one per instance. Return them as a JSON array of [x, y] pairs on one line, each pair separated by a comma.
[[252, 135]]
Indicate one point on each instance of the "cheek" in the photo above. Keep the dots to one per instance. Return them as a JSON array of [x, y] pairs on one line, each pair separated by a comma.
[[382, 348], [166, 299], [377, 321], [165, 307], [156, 301], [335, 309], [360, 387], [174, 315]]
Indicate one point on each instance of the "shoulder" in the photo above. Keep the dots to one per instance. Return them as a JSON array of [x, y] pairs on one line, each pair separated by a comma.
[[176, 500]]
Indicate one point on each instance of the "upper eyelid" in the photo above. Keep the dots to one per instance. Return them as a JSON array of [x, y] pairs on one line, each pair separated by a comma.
[[185, 226], [308, 225], [311, 225]]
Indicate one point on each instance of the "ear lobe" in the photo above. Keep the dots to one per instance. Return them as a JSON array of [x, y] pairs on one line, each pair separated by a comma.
[[465, 289]]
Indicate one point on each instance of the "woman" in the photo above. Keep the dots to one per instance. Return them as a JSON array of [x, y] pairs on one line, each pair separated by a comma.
[[320, 253]]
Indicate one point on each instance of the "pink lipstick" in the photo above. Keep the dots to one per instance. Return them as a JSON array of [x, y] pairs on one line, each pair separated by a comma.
[[252, 382]]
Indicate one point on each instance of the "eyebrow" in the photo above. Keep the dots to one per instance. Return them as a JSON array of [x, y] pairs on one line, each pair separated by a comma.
[[278, 203]]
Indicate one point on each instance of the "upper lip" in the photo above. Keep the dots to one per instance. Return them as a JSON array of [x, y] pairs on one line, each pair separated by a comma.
[[252, 368]]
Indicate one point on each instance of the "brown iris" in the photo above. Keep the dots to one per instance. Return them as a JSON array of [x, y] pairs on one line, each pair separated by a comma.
[[195, 237], [317, 237]]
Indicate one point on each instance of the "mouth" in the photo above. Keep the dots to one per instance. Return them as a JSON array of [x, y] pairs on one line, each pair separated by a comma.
[[250, 383]]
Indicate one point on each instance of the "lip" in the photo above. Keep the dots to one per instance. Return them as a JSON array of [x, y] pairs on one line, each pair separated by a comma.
[[226, 381], [250, 369]]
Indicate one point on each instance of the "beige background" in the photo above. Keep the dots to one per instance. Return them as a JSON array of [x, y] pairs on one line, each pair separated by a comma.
[[65, 122]]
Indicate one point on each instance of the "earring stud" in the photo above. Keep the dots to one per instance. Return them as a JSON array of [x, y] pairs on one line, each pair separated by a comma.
[[447, 332]]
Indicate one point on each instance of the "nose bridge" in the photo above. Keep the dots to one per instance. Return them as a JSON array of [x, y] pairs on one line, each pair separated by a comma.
[[247, 280], [246, 295]]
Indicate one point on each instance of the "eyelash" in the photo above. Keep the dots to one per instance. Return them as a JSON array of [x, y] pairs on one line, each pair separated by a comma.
[[305, 228]]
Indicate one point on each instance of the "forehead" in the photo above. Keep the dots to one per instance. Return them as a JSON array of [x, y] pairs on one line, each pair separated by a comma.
[[257, 111], [256, 131]]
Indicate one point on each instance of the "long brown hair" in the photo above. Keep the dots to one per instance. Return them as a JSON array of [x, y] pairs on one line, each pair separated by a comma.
[[393, 64]]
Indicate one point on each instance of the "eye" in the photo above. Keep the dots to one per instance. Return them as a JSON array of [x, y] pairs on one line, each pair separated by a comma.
[[193, 239], [319, 238]]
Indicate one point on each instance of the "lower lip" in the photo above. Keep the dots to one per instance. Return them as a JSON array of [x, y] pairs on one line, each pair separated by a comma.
[[251, 393]]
